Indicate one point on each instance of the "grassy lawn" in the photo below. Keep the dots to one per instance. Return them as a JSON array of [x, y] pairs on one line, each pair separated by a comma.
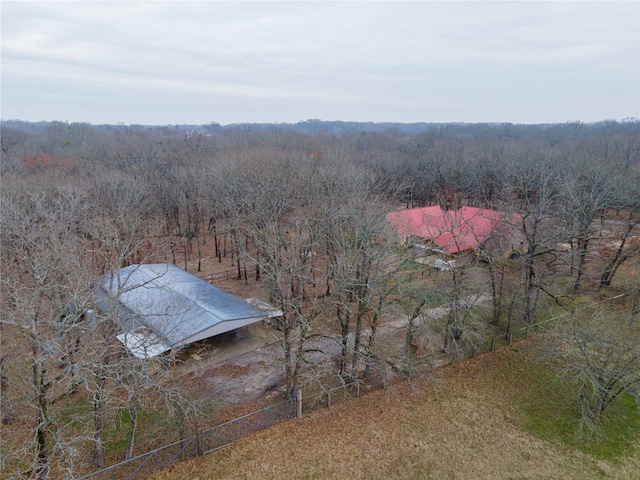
[[499, 416], [549, 409]]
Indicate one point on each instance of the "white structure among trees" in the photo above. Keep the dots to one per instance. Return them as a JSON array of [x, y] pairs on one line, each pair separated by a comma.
[[161, 307]]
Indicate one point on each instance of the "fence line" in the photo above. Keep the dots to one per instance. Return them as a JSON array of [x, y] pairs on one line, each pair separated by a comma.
[[222, 435], [219, 436], [206, 441], [230, 274], [326, 392]]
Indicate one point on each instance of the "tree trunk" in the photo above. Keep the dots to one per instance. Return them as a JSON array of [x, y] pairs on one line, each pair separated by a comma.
[[172, 245], [224, 243], [358, 337], [5, 404], [42, 465], [238, 263], [406, 366], [496, 291], [134, 425], [287, 359], [42, 431], [345, 319], [39, 375], [299, 359], [582, 248], [98, 427], [185, 255], [409, 337], [372, 339], [618, 259], [216, 245], [199, 254], [529, 289], [98, 410]]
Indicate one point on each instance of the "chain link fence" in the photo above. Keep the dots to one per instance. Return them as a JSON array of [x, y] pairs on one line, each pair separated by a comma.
[[204, 441]]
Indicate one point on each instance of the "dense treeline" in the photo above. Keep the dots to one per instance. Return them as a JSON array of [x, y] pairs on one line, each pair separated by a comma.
[[304, 208]]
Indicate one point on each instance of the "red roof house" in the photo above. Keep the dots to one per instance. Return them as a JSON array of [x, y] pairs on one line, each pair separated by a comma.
[[454, 230]]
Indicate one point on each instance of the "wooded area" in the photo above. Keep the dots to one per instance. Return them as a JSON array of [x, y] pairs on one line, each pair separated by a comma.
[[303, 208]]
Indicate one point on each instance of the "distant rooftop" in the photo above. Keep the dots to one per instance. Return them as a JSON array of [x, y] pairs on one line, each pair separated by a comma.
[[454, 230]]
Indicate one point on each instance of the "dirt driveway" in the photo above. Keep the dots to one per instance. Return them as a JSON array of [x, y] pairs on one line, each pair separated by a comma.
[[236, 366], [242, 365]]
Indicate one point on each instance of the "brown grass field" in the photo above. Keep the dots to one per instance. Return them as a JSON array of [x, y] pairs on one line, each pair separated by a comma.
[[468, 422]]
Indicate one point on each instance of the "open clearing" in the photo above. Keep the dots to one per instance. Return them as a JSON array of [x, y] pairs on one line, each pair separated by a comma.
[[468, 422]]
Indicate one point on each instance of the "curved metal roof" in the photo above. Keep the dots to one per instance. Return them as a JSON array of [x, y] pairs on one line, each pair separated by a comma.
[[175, 307]]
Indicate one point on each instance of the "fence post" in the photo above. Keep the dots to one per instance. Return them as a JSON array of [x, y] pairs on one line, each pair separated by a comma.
[[299, 403], [510, 338], [492, 339]]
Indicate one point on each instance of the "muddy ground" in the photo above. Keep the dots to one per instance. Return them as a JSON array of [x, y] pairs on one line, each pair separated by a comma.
[[243, 365]]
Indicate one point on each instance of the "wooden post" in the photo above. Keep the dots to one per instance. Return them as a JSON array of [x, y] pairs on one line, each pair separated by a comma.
[[199, 442], [299, 403], [492, 339], [510, 338]]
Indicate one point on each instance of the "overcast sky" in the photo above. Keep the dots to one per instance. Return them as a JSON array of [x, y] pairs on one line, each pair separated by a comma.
[[190, 62]]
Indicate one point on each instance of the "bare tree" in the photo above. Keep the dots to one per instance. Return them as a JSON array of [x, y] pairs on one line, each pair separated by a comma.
[[286, 259], [629, 201], [46, 288], [587, 193], [599, 350], [356, 262], [533, 192]]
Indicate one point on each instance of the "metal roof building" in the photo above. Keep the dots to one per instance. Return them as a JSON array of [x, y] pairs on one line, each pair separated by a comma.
[[161, 307], [452, 231]]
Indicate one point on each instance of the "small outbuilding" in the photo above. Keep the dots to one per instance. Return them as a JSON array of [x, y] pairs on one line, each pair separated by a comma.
[[160, 307]]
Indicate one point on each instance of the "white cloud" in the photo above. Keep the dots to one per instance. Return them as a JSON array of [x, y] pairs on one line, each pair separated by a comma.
[[175, 62]]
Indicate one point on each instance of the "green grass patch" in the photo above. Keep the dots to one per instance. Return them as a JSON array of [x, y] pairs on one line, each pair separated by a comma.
[[549, 409], [412, 266], [620, 428], [116, 446], [149, 420], [75, 411], [155, 427]]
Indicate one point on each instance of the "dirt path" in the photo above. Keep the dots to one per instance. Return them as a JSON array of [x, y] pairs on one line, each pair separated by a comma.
[[241, 366]]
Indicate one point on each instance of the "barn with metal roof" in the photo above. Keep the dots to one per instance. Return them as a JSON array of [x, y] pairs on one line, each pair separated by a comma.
[[161, 307]]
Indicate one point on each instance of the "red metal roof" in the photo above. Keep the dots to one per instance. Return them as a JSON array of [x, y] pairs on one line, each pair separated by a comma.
[[452, 231]]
